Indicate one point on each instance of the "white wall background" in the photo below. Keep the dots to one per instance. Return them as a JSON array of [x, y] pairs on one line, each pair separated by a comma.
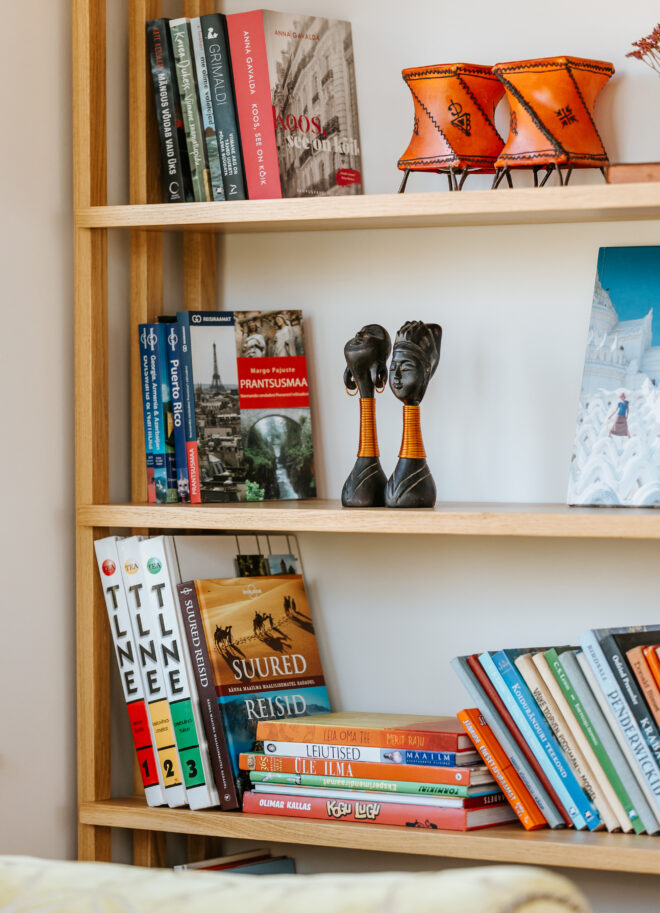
[[498, 417]]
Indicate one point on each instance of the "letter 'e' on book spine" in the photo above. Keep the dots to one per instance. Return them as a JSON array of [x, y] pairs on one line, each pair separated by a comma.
[[129, 672], [500, 766]]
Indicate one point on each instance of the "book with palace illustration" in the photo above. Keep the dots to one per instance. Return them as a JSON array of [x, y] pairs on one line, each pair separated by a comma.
[[262, 653], [616, 460]]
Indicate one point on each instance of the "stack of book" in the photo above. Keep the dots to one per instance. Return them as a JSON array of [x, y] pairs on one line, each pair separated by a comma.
[[412, 771], [580, 726], [258, 104]]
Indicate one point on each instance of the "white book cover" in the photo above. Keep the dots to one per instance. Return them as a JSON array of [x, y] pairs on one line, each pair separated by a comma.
[[161, 576], [143, 626], [129, 669]]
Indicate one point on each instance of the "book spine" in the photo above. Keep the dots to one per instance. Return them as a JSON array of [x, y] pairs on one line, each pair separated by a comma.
[[367, 812], [165, 391], [190, 740], [358, 753], [485, 696], [152, 343], [513, 788], [527, 717], [298, 731], [129, 672], [652, 657], [173, 348], [465, 776], [203, 670], [391, 786], [188, 396], [626, 722], [142, 625], [249, 61], [645, 680], [166, 98], [483, 800], [208, 119], [147, 412], [192, 117], [218, 63], [590, 729]]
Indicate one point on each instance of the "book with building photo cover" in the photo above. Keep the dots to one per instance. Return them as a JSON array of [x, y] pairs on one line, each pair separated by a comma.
[[294, 78], [616, 457]]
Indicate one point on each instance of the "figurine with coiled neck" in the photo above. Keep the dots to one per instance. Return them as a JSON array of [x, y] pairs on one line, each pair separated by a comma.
[[366, 371], [415, 357]]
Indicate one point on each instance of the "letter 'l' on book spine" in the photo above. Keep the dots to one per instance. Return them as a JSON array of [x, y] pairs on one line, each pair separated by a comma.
[[190, 109], [201, 662], [249, 60], [129, 672], [147, 411], [142, 624], [502, 770], [536, 741], [188, 396], [166, 101]]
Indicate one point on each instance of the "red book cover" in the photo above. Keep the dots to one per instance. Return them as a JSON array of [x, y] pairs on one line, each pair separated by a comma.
[[505, 716], [373, 812]]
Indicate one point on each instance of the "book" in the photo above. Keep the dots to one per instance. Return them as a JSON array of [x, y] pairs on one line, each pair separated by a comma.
[[361, 753], [503, 771], [190, 109], [159, 563], [652, 657], [376, 730], [632, 172], [263, 653], [373, 812], [465, 776], [165, 403], [173, 348], [175, 172], [294, 81], [217, 863], [615, 461], [647, 685], [218, 63], [360, 784], [147, 377], [142, 625], [189, 421], [208, 117], [277, 865], [152, 361], [494, 797], [129, 671]]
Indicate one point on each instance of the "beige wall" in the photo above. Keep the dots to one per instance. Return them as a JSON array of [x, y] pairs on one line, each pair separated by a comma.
[[498, 418]]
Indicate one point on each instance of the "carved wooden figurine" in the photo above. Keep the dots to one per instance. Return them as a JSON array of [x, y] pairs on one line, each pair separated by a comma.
[[415, 357], [366, 370]]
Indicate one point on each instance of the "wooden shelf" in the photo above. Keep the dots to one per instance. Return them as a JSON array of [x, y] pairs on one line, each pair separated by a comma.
[[452, 519], [506, 843], [579, 203]]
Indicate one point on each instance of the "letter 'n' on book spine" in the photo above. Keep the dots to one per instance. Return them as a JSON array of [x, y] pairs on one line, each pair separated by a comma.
[[249, 60], [201, 663], [129, 672]]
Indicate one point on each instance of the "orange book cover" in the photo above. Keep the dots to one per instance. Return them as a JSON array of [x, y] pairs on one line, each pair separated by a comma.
[[407, 732], [653, 659], [368, 770], [645, 680], [502, 770]]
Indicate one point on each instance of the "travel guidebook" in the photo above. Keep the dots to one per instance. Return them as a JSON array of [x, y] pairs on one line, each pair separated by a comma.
[[616, 459]]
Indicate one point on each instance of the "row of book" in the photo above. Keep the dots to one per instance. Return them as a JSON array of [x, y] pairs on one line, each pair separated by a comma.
[[254, 105], [226, 407], [203, 659], [580, 727], [410, 771]]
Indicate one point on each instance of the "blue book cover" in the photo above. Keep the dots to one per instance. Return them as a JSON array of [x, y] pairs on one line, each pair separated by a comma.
[[165, 392], [152, 348], [178, 422], [147, 410], [278, 865], [533, 725]]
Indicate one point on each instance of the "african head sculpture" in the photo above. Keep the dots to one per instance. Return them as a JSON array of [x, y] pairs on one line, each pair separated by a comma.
[[366, 371], [415, 357]]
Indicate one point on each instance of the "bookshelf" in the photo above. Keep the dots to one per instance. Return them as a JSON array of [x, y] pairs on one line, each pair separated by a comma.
[[146, 219]]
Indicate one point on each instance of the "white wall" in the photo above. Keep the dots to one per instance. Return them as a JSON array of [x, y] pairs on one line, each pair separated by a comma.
[[498, 417]]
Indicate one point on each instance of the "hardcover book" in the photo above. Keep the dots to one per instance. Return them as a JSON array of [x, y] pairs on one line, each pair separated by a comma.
[[615, 460], [207, 111], [294, 78]]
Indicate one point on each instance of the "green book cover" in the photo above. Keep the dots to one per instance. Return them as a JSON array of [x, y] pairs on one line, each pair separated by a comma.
[[583, 719], [383, 786], [190, 109]]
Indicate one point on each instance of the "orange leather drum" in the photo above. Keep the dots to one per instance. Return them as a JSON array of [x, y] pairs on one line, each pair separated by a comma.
[[552, 124], [454, 131]]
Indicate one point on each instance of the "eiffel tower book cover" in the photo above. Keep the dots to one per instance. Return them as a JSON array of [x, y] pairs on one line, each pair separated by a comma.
[[616, 458], [263, 653], [294, 79]]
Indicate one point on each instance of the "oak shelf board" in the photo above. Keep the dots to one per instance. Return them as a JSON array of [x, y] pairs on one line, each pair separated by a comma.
[[577, 203], [452, 519], [506, 843]]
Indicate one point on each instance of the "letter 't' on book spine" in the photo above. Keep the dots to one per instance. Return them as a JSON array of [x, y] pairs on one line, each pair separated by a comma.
[[147, 411], [201, 663], [249, 60], [129, 672], [167, 110]]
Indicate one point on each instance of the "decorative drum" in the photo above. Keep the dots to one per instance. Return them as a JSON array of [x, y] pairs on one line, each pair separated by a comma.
[[454, 131]]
